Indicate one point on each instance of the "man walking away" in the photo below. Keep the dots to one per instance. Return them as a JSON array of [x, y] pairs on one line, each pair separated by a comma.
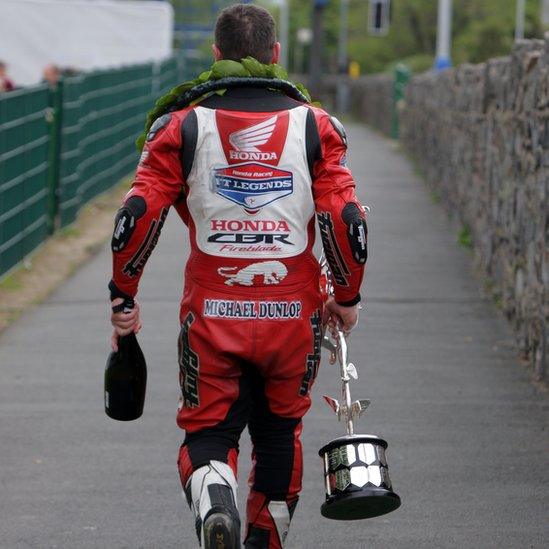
[[246, 169]]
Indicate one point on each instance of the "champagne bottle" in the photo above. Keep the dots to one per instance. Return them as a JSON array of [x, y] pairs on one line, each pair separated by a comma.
[[125, 380]]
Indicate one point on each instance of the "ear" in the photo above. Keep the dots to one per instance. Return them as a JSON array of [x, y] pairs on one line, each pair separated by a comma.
[[217, 53], [276, 53]]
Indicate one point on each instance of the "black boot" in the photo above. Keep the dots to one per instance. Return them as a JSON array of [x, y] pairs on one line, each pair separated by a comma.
[[221, 528], [211, 494]]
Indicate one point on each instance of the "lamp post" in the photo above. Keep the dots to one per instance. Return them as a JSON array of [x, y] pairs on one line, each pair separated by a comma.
[[444, 35], [304, 38], [283, 31], [342, 57], [519, 25], [315, 67], [545, 12]]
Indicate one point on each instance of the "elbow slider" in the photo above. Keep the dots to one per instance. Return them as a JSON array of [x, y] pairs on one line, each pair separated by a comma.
[[125, 220], [357, 232]]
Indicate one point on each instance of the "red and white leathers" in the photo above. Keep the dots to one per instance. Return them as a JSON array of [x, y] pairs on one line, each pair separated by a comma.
[[247, 183]]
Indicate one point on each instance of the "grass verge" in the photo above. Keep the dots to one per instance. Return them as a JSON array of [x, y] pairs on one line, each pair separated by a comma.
[[55, 260]]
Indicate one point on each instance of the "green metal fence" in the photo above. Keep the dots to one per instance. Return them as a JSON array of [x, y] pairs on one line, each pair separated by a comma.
[[61, 148], [166, 74], [103, 111], [24, 192]]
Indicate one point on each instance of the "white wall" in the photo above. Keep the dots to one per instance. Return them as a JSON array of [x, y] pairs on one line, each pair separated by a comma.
[[84, 34]]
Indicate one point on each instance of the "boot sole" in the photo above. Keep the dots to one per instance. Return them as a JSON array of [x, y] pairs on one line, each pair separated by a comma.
[[219, 532]]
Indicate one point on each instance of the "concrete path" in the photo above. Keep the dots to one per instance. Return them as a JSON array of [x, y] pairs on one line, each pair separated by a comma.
[[467, 432]]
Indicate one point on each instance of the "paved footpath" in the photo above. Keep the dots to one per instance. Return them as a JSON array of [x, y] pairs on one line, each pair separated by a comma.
[[467, 432]]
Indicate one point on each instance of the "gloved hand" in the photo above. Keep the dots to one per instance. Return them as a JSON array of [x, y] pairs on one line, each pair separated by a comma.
[[124, 322]]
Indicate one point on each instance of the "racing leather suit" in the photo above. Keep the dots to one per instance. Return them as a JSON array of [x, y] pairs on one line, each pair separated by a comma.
[[246, 172]]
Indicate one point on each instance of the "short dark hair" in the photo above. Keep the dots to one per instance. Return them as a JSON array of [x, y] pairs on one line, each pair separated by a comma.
[[244, 29]]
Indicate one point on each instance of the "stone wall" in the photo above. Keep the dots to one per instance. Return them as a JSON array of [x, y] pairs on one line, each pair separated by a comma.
[[372, 100], [480, 135]]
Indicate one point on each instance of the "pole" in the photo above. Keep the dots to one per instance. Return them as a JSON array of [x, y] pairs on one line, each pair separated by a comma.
[[304, 36], [317, 48], [284, 33], [298, 58], [343, 35], [342, 82], [444, 35], [519, 25], [545, 12]]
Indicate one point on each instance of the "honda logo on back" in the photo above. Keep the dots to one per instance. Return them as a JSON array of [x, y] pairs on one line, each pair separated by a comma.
[[246, 141], [250, 138]]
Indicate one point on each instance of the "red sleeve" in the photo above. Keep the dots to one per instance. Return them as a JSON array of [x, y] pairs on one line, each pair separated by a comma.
[[158, 185], [341, 217]]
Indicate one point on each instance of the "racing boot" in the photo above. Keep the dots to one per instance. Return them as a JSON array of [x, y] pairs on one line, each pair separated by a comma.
[[211, 494], [268, 521]]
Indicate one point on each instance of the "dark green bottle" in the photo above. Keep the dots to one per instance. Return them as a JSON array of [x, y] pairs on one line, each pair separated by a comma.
[[125, 380]]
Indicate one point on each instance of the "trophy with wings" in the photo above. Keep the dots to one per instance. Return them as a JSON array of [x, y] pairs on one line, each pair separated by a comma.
[[355, 467]]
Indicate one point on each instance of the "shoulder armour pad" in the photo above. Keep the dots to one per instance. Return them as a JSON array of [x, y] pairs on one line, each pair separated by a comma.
[[338, 127], [157, 125]]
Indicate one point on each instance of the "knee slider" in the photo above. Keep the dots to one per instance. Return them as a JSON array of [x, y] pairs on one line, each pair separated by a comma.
[[357, 231], [125, 220]]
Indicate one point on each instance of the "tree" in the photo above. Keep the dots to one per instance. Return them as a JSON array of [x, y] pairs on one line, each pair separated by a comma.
[[481, 29]]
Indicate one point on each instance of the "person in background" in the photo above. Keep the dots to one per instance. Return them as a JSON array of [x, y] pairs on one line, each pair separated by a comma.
[[6, 84], [70, 71], [51, 74]]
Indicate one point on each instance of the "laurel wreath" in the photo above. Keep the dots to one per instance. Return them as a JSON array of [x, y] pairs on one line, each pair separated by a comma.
[[224, 74]]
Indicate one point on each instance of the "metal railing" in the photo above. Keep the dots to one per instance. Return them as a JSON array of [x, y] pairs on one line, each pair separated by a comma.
[[24, 185]]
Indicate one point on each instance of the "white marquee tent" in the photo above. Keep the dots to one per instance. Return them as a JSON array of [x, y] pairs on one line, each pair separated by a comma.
[[83, 34]]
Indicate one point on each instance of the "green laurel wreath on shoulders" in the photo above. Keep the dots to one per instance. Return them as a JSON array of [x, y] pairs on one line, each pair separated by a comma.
[[247, 68]]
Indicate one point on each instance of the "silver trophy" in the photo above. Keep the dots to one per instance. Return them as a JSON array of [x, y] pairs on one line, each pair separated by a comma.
[[355, 468]]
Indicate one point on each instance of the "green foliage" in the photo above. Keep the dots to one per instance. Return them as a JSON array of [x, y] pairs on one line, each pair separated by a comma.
[[481, 29], [419, 62], [435, 197], [69, 232], [486, 39], [11, 282], [464, 237]]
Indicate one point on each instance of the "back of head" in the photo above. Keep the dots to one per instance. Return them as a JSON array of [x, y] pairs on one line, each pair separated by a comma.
[[245, 30]]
